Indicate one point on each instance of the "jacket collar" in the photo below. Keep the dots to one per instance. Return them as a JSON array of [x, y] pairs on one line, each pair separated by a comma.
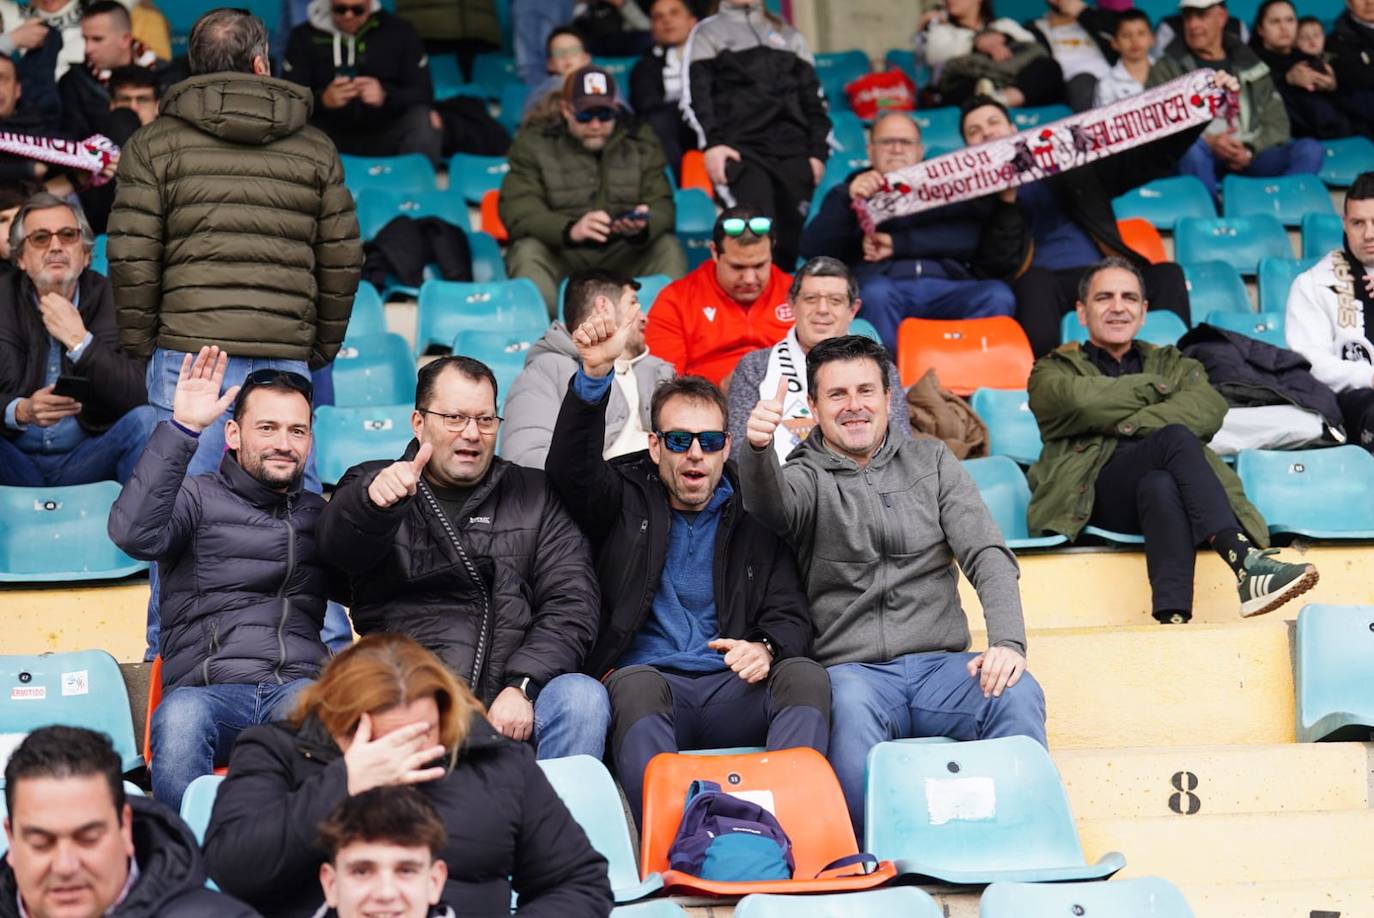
[[252, 490], [814, 451]]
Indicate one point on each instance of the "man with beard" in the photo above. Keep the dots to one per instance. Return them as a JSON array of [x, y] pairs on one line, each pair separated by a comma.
[[242, 586]]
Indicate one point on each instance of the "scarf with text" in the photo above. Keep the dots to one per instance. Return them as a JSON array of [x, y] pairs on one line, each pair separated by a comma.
[[93, 155]]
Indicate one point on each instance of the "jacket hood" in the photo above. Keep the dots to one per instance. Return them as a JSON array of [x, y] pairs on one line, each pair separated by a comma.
[[557, 340], [813, 450], [240, 108], [252, 490], [319, 15]]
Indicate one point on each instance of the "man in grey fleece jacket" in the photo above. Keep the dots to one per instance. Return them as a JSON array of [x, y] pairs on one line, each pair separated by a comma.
[[877, 522]]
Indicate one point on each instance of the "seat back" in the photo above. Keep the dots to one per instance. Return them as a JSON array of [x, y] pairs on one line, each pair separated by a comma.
[[1321, 233], [512, 101], [1029, 116], [369, 314], [409, 173], [1288, 198], [377, 208], [835, 69], [446, 308], [848, 134], [487, 263], [1323, 493], [1012, 428], [494, 71], [985, 805], [446, 75], [503, 352], [345, 437], [1333, 671], [80, 688], [199, 802], [865, 328], [491, 216], [374, 370], [473, 176], [1160, 327], [588, 791], [1266, 326], [796, 785], [100, 260], [1276, 275], [1164, 201], [650, 286], [1146, 897], [1345, 159], [617, 66], [904, 60], [966, 354], [1005, 492], [696, 217], [154, 699], [56, 534], [1140, 234], [694, 173], [939, 129], [1215, 285], [906, 901], [1239, 241]]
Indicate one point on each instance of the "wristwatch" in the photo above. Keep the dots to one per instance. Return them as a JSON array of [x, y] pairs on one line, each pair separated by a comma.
[[527, 686], [768, 645]]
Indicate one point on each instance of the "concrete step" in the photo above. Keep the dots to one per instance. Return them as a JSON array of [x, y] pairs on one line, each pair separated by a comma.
[[111, 616]]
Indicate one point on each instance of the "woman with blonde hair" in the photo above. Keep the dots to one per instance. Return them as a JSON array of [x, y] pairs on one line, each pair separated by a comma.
[[386, 712]]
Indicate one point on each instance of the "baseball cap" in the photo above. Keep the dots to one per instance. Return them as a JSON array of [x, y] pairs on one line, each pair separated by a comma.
[[1198, 4], [590, 88]]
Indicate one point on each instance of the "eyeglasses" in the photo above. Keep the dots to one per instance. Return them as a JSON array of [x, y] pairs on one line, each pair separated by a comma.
[[735, 226], [344, 9], [836, 300], [897, 143], [600, 114], [679, 441], [457, 423], [68, 235]]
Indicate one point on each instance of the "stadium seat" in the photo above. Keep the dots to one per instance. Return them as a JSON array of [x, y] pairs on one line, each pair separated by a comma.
[[345, 437], [1276, 275], [904, 901], [1287, 198], [848, 133], [448, 307], [487, 263], [374, 370], [512, 102], [1012, 429], [1239, 241], [939, 129], [1146, 897], [154, 699], [1345, 159], [1321, 233], [491, 216], [904, 60], [409, 173], [650, 286], [378, 208], [694, 173], [967, 354], [494, 71], [837, 169], [1333, 672], [865, 328], [619, 68], [1165, 200], [588, 791], [1319, 493], [58, 534], [81, 688], [198, 802], [1215, 286], [836, 69], [1140, 234], [100, 261], [1035, 115], [1161, 327], [502, 351], [696, 217], [976, 812], [796, 785], [1266, 326], [369, 315], [473, 176], [447, 76], [1005, 492]]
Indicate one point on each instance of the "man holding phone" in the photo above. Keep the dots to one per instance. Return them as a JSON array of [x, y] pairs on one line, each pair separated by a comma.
[[588, 191]]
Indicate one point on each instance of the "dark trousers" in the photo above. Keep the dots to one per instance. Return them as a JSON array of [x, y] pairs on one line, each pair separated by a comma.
[[1043, 296], [1357, 413], [1161, 487], [781, 189], [411, 132], [655, 711]]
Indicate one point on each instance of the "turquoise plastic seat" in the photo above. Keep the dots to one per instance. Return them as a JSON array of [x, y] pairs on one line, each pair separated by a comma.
[[374, 370], [1321, 233], [100, 261], [865, 328], [446, 75], [1146, 897], [939, 128], [1334, 672], [487, 263], [660, 908], [904, 60], [378, 208], [619, 68], [1003, 488], [345, 437], [650, 286], [904, 901], [588, 791], [80, 688], [409, 173], [1266, 326], [834, 69], [1239, 241], [1289, 198], [503, 352], [848, 133], [1320, 493], [473, 176], [58, 534], [448, 307], [1345, 159], [1276, 275], [976, 812], [369, 315], [696, 217], [1012, 429], [837, 169], [198, 802], [512, 102], [1164, 201], [1035, 115], [1213, 286], [1161, 327], [494, 71]]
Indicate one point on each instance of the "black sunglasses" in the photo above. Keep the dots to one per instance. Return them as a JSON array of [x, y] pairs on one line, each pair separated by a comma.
[[343, 9], [679, 441], [598, 114]]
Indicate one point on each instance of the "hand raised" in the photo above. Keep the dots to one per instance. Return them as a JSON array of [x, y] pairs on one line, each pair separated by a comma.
[[601, 339], [399, 480], [765, 418], [396, 758], [197, 403]]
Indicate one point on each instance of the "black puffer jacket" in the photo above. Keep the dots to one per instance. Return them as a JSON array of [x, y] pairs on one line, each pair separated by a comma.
[[243, 586], [623, 508], [171, 874], [507, 828], [514, 596]]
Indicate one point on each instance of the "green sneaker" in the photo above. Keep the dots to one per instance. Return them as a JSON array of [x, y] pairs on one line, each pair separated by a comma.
[[1266, 584]]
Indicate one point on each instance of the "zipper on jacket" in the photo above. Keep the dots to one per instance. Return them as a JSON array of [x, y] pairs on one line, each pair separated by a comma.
[[285, 600], [480, 654], [214, 649], [882, 568]]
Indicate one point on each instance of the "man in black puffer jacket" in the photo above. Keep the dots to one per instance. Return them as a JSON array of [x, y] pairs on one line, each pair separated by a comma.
[[476, 559], [242, 586]]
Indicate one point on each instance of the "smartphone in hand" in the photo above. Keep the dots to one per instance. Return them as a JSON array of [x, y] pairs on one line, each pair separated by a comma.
[[77, 387]]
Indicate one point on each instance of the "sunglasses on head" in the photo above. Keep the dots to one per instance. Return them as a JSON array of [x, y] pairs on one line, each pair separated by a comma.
[[278, 378], [345, 9], [679, 441], [599, 114], [735, 226]]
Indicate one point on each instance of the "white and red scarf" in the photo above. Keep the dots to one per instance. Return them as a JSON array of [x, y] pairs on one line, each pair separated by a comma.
[[91, 155]]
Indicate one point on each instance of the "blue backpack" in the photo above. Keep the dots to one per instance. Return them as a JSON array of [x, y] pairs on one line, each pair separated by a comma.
[[724, 838]]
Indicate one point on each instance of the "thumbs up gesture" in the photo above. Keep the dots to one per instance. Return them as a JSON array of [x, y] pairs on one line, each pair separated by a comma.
[[399, 480], [765, 418], [601, 338]]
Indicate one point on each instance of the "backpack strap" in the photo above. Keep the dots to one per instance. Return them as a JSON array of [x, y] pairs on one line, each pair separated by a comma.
[[868, 863]]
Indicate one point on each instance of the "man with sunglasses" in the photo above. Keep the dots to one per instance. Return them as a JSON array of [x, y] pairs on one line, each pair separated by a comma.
[[243, 584], [588, 190], [705, 632]]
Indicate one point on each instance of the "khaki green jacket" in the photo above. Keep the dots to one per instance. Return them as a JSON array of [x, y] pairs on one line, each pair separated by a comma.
[[451, 20], [1083, 414]]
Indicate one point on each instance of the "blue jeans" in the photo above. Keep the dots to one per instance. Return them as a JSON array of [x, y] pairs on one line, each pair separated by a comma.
[[195, 726], [920, 694], [887, 301], [1303, 155], [532, 21], [571, 717], [111, 455]]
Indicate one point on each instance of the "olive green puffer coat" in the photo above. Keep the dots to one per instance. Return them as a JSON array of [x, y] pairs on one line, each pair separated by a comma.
[[232, 226]]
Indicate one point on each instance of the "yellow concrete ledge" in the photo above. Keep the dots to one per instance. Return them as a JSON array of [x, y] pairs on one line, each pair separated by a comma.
[[109, 616]]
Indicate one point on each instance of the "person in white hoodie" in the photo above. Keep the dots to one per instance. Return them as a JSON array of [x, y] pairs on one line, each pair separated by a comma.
[[1330, 317]]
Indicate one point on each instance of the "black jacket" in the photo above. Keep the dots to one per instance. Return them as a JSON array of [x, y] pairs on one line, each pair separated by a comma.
[[507, 594], [171, 874], [507, 827], [623, 508], [243, 586], [1310, 114], [407, 244], [117, 380], [1351, 47], [85, 102]]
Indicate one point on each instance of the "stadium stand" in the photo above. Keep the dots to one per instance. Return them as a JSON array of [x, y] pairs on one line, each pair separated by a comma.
[[877, 903], [966, 354], [374, 370], [446, 308], [1289, 198], [56, 535], [1239, 241], [1165, 201], [1311, 492], [1333, 670]]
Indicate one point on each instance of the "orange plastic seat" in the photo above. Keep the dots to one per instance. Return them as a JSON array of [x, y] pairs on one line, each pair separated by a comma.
[[694, 172], [966, 354], [491, 216], [1140, 234], [155, 699], [796, 785]]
